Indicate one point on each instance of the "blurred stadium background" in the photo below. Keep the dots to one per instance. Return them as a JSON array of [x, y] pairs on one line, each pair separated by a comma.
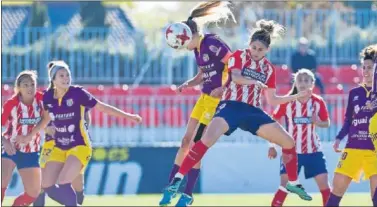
[[117, 50]]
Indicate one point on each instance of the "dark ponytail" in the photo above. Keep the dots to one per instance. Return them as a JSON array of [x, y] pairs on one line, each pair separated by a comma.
[[369, 53], [267, 31], [50, 65], [208, 12], [293, 90], [51, 85]]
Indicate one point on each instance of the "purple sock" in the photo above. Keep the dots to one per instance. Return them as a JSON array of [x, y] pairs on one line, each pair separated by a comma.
[[40, 201], [374, 199], [334, 200], [174, 171], [192, 177], [80, 197], [63, 194]]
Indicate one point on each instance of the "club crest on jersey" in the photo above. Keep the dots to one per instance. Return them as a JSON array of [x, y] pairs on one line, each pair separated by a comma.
[[356, 109], [205, 57], [250, 73], [220, 107], [215, 49], [69, 102]]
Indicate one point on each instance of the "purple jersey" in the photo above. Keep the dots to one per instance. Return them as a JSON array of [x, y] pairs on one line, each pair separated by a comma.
[[374, 89], [356, 122], [47, 136], [68, 116], [210, 57]]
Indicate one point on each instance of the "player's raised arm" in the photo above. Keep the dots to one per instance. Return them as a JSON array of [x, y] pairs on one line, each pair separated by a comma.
[[113, 111]]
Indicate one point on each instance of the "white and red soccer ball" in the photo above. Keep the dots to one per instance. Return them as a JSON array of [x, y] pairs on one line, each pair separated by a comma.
[[178, 35]]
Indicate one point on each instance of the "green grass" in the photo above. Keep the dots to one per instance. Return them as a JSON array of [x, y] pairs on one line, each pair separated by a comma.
[[350, 199]]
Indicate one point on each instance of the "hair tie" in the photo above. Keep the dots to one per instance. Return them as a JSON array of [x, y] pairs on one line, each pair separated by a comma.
[[190, 18]]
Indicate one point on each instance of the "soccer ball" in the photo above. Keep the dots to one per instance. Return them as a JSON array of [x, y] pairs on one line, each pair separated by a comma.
[[178, 35]]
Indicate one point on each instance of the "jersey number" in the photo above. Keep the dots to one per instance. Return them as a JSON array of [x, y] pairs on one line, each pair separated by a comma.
[[47, 152], [344, 155]]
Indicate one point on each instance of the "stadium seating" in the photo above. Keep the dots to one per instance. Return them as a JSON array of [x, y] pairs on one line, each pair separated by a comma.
[[151, 117], [174, 117], [327, 74], [348, 74], [283, 75], [13, 18], [334, 89]]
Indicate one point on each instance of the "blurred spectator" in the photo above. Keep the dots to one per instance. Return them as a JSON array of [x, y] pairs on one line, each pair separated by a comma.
[[305, 58], [39, 16]]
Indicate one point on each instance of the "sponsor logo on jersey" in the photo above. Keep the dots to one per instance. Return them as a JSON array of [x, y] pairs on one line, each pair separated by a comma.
[[302, 120], [29, 121]]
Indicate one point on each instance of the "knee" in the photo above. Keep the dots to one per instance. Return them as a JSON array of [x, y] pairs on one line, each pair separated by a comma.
[[323, 183], [33, 191], [339, 187]]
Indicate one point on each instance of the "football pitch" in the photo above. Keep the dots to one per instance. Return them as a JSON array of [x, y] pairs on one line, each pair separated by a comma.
[[351, 199]]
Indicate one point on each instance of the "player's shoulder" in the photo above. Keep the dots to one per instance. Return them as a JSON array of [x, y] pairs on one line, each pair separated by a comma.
[[356, 90], [77, 88], [268, 63], [240, 53], [214, 43], [212, 38], [11, 102], [48, 93]]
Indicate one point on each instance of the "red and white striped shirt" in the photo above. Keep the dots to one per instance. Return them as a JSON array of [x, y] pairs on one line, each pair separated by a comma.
[[261, 70], [22, 119], [298, 118]]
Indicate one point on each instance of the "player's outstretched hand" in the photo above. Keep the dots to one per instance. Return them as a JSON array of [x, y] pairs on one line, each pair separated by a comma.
[[272, 153], [50, 130], [21, 139], [217, 92], [336, 146], [181, 87], [9, 147], [136, 118]]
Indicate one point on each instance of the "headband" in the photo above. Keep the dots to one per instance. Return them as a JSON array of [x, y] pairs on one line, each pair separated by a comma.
[[54, 69]]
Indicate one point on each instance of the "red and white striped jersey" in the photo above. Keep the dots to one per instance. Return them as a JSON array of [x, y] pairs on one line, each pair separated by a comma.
[[21, 120], [261, 70], [298, 119]]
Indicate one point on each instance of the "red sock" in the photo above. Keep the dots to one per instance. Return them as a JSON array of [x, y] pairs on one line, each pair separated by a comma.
[[23, 200], [279, 197], [3, 194], [325, 195], [194, 156], [290, 161]]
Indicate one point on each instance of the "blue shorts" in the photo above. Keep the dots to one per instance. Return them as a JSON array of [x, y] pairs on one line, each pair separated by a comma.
[[23, 160], [242, 115], [314, 164]]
